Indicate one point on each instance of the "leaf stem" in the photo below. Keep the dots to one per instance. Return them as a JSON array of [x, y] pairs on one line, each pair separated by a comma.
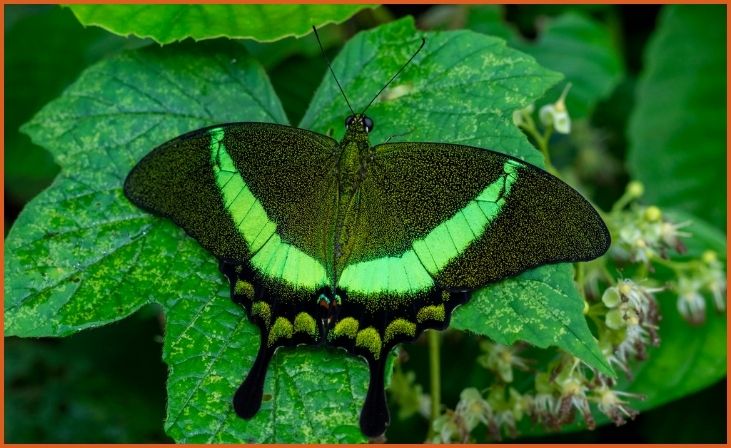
[[435, 377], [541, 140]]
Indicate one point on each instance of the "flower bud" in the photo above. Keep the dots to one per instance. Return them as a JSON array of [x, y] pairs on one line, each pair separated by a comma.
[[652, 213], [611, 297], [635, 189]]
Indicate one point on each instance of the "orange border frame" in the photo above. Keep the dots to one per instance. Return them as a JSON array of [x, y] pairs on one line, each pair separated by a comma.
[[533, 2]]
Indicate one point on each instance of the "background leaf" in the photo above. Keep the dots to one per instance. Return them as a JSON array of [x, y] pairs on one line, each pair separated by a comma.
[[169, 23], [84, 389], [584, 51], [571, 43], [81, 255], [541, 307], [462, 88], [37, 77], [677, 131]]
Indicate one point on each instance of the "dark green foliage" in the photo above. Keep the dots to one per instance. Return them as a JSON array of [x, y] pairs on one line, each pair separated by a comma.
[[102, 258], [678, 129]]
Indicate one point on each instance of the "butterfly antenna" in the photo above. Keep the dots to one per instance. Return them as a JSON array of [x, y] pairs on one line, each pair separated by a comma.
[[423, 41], [322, 50]]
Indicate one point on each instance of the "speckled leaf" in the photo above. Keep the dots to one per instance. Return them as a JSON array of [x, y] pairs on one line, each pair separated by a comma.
[[541, 307], [80, 255], [677, 131], [462, 88], [170, 23]]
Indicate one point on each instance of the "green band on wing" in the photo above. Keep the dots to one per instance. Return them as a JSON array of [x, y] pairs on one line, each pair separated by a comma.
[[414, 269], [272, 257]]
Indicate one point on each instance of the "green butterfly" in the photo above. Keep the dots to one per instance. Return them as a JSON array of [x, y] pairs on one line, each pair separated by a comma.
[[356, 246]]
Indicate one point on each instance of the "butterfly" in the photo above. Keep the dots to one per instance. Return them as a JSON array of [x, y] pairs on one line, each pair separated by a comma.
[[350, 245]]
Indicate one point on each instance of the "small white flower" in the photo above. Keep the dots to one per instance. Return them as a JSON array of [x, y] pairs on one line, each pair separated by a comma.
[[611, 403], [691, 304], [715, 279], [556, 114]]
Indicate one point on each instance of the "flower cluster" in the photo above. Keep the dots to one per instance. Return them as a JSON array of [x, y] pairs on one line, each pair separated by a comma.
[[706, 275], [631, 318], [644, 234]]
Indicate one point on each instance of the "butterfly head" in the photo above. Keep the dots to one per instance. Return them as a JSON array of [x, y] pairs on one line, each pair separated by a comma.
[[359, 123]]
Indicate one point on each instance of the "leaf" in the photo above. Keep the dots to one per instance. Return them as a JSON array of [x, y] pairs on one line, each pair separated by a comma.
[[677, 131], [541, 307], [170, 23], [432, 100], [461, 88], [583, 50], [81, 255], [573, 44]]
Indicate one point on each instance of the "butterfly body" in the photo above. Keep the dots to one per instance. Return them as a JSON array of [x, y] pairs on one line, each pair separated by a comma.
[[356, 246]]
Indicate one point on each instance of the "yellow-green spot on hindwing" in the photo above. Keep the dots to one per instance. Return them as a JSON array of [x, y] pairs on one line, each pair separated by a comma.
[[263, 312], [347, 327], [244, 288], [282, 329], [430, 312], [304, 323], [399, 327], [370, 340]]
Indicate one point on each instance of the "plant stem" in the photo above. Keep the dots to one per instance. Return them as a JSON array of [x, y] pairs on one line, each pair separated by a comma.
[[435, 377]]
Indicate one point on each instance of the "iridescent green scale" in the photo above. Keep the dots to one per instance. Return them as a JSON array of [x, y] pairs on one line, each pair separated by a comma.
[[356, 246]]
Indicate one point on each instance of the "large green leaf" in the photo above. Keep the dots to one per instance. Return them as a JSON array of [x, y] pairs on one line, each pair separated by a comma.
[[170, 23], [432, 103], [462, 88], [677, 131], [541, 307], [81, 255]]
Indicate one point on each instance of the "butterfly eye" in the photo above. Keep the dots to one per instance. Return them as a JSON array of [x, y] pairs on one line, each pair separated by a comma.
[[368, 123], [349, 120]]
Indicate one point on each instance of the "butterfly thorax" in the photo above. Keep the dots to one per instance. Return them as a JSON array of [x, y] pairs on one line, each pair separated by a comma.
[[356, 155]]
